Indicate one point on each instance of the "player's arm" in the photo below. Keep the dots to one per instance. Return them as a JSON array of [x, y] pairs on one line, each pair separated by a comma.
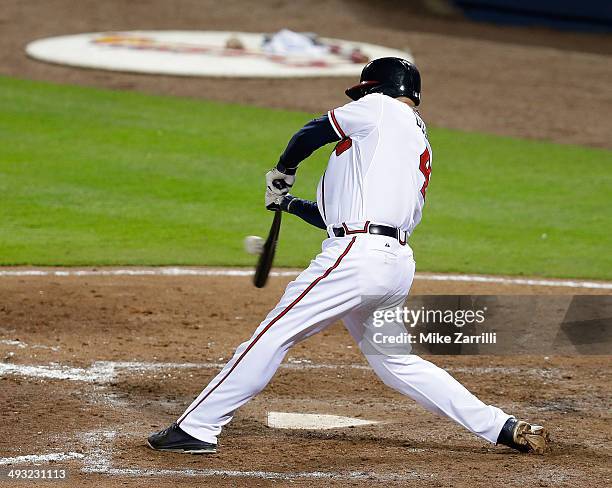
[[315, 134], [355, 119], [307, 210], [312, 136]]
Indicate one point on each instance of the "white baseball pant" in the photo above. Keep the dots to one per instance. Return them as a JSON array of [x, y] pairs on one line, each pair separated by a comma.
[[350, 278]]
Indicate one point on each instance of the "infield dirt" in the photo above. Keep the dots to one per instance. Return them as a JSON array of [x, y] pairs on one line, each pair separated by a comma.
[[141, 348]]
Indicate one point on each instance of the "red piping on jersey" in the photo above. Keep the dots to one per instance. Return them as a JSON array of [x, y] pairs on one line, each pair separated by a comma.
[[358, 231], [323, 194], [337, 125], [272, 322]]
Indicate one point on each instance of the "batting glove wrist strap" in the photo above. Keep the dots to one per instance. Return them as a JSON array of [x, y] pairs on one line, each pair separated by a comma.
[[286, 202]]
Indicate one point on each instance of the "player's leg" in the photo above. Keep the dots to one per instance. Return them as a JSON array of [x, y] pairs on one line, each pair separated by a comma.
[[427, 384], [324, 292], [409, 374], [439, 392]]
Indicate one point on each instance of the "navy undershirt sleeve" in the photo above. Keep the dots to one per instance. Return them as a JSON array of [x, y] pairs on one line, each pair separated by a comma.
[[312, 136], [304, 209]]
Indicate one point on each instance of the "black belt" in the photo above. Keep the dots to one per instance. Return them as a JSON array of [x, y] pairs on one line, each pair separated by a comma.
[[383, 230]]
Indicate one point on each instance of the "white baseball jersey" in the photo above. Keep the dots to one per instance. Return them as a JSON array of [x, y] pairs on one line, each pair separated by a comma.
[[380, 170]]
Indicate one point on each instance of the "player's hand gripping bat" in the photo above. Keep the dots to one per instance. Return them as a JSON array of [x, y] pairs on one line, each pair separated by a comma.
[[264, 264]]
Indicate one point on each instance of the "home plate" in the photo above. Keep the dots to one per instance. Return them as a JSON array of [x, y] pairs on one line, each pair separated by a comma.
[[312, 421]]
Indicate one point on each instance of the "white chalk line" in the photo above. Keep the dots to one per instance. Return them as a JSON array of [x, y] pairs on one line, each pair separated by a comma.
[[514, 281], [41, 458], [141, 272], [98, 460], [99, 446], [272, 475], [97, 373], [179, 271], [107, 371], [9, 342], [23, 345]]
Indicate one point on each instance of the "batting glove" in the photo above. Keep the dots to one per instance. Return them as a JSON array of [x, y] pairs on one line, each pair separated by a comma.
[[279, 183], [278, 202]]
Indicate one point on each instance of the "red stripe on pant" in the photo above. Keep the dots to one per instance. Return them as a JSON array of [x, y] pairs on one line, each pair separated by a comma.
[[272, 322]]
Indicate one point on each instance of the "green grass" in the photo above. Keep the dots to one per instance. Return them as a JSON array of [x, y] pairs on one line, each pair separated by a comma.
[[98, 177]]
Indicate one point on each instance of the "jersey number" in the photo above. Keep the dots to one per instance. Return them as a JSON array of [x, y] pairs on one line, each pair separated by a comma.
[[425, 167]]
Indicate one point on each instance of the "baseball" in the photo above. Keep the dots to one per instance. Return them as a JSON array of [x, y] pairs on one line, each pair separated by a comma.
[[253, 244]]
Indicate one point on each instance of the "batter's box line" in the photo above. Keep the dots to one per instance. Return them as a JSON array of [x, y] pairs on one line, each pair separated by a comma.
[[269, 475], [40, 458], [104, 372], [98, 460]]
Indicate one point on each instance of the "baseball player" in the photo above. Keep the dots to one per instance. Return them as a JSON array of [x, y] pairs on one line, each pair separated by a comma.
[[369, 200]]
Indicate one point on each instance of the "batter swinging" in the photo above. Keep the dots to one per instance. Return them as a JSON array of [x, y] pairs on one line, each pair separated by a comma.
[[369, 200]]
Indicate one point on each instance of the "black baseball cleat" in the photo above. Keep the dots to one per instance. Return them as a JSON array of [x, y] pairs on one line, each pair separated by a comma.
[[174, 439], [524, 437]]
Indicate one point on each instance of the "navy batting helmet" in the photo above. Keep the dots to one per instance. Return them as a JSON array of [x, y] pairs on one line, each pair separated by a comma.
[[395, 77]]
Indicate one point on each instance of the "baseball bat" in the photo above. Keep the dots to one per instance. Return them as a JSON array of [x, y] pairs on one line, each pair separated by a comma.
[[264, 264]]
